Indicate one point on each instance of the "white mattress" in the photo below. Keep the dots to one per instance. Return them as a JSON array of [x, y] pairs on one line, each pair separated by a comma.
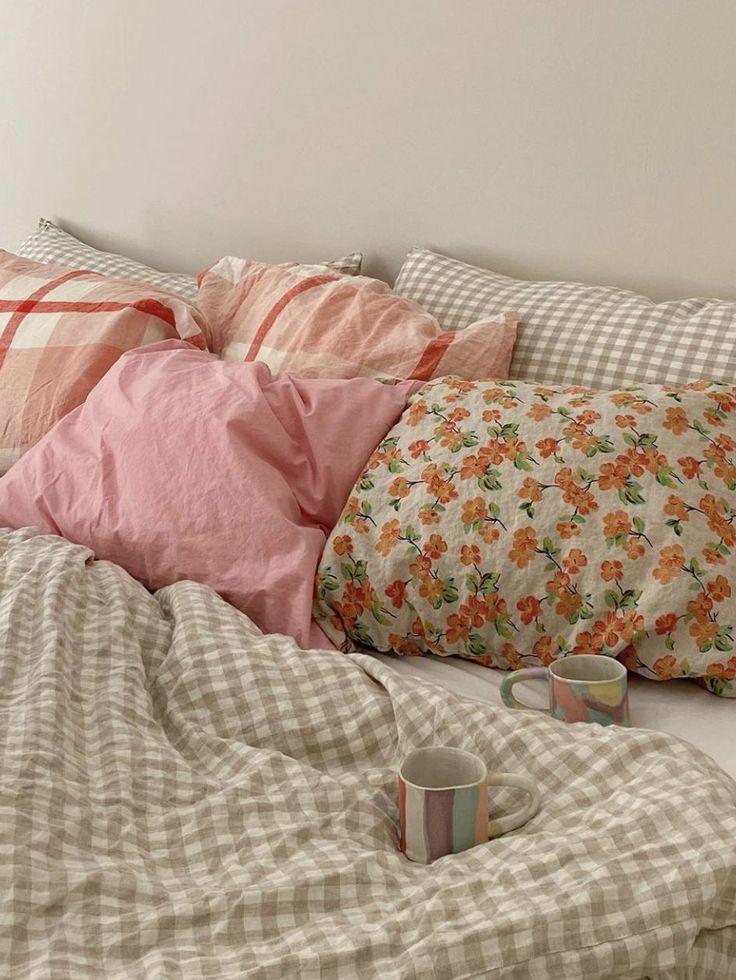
[[678, 707]]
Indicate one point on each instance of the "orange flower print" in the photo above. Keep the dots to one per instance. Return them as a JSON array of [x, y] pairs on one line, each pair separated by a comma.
[[625, 421], [399, 488], [390, 533], [458, 415], [569, 605], [722, 671], [418, 448], [489, 533], [530, 490], [539, 412], [436, 546], [574, 562], [713, 556], [402, 646], [475, 610], [676, 421], [474, 510], [703, 631], [396, 592], [608, 629], [491, 415], [458, 629], [558, 584], [671, 560], [547, 447], [666, 667], [416, 413], [612, 571], [343, 544], [431, 589], [473, 467], [428, 515], [568, 529], [587, 642], [719, 589], [612, 476], [616, 524], [530, 608], [633, 623], [545, 650], [420, 565], [675, 507], [470, 554], [634, 548], [700, 606], [512, 656], [689, 466], [666, 624], [524, 546]]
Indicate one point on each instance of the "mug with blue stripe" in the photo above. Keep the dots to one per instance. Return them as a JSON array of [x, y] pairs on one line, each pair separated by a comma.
[[443, 803]]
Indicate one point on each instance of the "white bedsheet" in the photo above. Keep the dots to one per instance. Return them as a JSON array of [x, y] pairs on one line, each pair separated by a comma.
[[677, 707]]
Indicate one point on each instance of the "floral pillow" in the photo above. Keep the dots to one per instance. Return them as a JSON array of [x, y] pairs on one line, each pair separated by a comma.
[[513, 524]]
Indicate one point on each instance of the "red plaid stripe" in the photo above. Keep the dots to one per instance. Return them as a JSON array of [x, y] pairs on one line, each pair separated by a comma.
[[53, 350]]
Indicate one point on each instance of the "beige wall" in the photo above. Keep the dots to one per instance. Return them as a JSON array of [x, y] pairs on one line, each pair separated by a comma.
[[591, 139]]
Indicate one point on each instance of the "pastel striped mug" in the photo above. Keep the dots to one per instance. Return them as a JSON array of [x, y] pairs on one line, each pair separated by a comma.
[[582, 687], [443, 803]]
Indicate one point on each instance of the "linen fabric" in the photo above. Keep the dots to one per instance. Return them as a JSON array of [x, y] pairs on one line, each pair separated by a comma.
[[183, 796], [49, 243], [60, 331], [570, 333], [513, 524], [317, 324], [181, 466]]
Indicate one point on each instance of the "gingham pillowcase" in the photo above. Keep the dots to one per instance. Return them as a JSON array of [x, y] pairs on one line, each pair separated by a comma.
[[570, 333], [60, 331], [49, 243]]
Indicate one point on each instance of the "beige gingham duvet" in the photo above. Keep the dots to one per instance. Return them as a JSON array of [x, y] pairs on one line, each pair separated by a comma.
[[183, 797]]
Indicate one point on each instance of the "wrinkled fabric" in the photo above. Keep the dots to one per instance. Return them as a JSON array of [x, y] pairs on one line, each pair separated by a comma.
[[180, 466], [182, 796]]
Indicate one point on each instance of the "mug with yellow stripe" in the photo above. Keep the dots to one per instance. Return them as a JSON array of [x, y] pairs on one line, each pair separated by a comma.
[[443, 803]]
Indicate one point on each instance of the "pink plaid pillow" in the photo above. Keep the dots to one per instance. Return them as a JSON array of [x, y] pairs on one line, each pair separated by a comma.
[[313, 323], [60, 331]]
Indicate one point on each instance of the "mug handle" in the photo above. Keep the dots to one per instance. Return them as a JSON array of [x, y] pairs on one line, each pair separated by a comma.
[[513, 820], [525, 674]]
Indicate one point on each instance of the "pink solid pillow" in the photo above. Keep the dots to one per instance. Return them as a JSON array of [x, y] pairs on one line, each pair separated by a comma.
[[315, 323], [182, 466]]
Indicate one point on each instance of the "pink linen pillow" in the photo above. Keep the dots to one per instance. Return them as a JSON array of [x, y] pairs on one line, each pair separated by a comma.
[[315, 323], [183, 466], [60, 331]]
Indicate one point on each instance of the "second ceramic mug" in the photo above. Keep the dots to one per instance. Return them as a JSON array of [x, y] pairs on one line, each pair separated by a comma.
[[582, 687]]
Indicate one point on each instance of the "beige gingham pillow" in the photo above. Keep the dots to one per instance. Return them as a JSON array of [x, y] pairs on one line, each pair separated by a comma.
[[49, 243], [570, 333]]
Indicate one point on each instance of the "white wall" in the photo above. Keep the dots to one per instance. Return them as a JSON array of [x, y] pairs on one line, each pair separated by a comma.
[[591, 139]]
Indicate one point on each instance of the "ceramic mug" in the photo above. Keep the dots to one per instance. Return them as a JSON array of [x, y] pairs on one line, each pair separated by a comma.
[[443, 803], [582, 687]]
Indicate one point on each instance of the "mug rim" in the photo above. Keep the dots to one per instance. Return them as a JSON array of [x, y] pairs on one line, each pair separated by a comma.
[[621, 670], [442, 789]]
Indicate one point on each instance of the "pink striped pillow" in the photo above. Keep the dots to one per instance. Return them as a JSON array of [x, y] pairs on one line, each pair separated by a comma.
[[313, 323]]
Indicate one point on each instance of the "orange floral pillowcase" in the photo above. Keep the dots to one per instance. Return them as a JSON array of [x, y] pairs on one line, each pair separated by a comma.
[[512, 524]]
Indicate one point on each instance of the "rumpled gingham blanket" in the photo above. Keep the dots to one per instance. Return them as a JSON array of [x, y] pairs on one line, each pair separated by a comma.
[[182, 796]]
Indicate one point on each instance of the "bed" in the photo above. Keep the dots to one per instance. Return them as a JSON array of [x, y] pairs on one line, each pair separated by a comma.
[[207, 567]]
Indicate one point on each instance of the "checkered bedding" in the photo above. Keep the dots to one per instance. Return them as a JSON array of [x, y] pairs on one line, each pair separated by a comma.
[[182, 796]]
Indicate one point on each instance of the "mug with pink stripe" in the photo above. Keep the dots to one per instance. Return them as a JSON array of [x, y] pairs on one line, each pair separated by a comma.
[[443, 803]]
